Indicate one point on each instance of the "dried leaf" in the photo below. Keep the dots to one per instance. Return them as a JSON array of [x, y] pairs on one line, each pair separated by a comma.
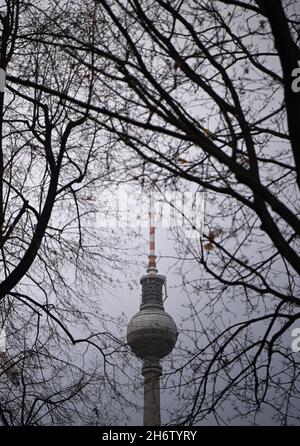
[[213, 234], [208, 246], [182, 161]]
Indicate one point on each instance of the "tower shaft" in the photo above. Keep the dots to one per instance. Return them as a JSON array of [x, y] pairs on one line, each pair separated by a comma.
[[152, 372]]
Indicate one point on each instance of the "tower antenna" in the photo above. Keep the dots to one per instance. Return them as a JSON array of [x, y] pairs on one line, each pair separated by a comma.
[[152, 222]]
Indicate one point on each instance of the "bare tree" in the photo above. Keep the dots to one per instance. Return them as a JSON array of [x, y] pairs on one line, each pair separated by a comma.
[[204, 93], [55, 263]]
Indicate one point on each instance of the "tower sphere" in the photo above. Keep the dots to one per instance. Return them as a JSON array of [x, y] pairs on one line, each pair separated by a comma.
[[152, 332]]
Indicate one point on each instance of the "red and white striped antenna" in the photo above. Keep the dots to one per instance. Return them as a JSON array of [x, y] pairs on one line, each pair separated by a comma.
[[152, 257]]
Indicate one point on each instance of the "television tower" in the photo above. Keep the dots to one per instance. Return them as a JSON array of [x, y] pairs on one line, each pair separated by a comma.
[[152, 333]]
